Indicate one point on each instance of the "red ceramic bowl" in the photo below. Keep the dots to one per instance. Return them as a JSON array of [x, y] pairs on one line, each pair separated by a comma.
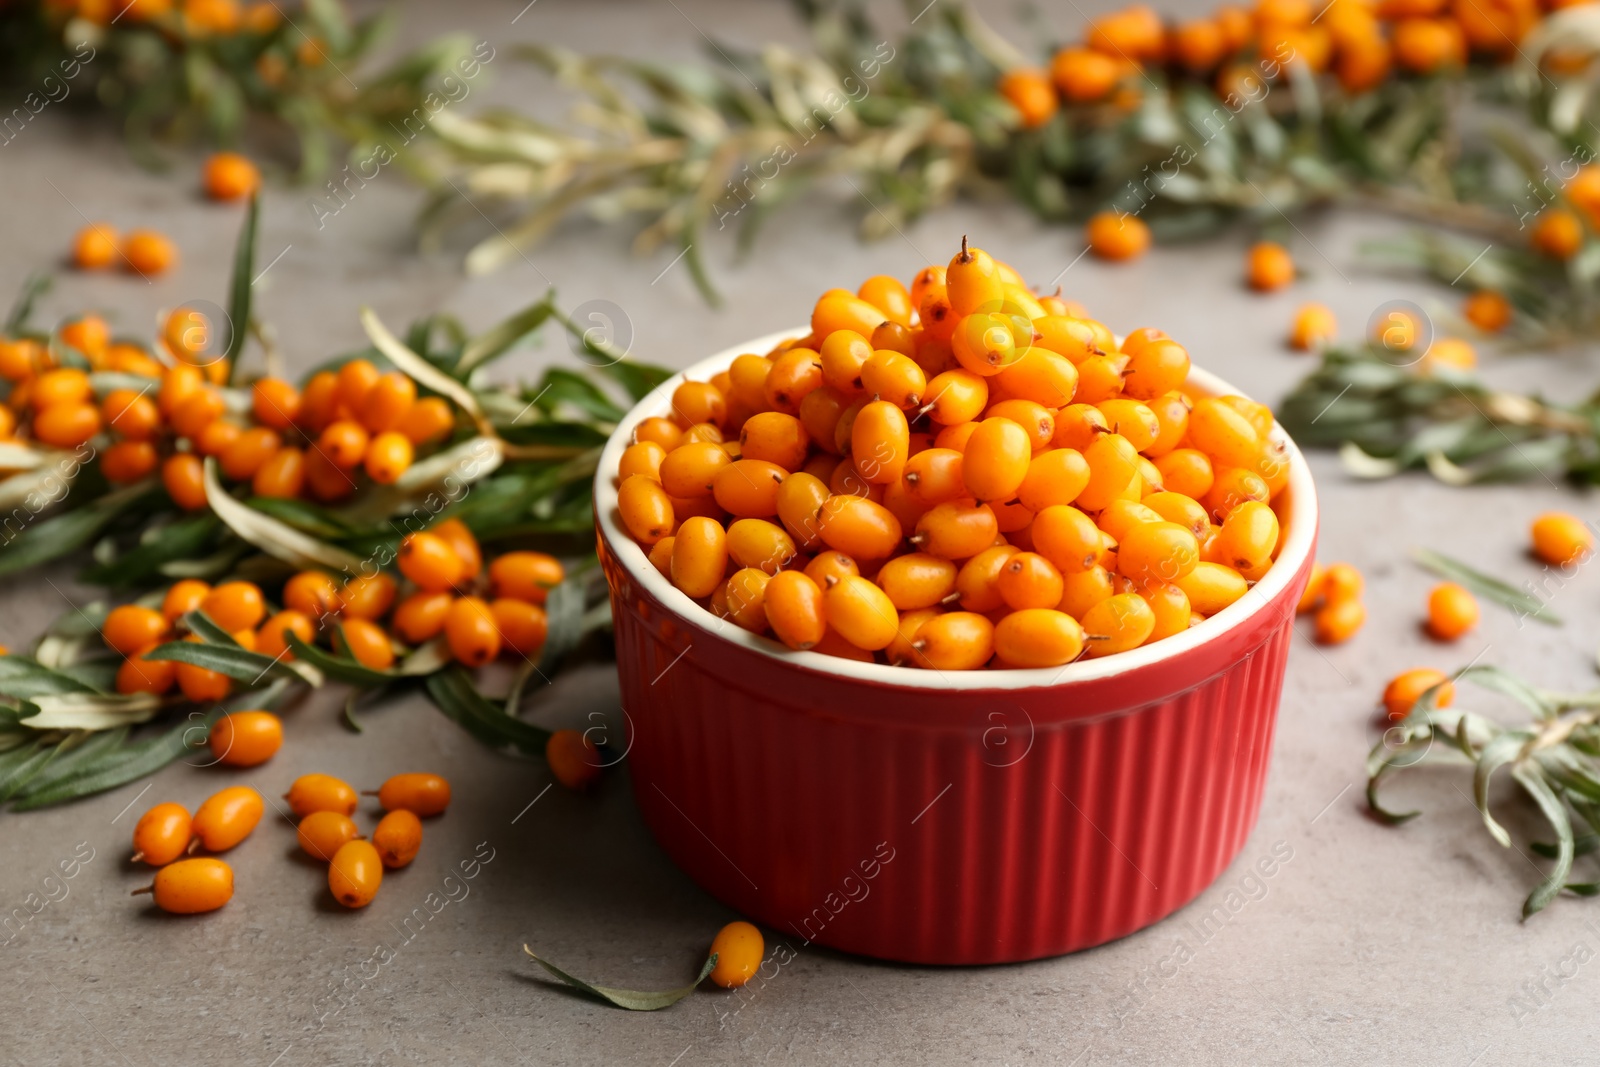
[[956, 818]]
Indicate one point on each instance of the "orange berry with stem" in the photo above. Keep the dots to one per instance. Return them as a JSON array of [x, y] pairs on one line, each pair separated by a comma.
[[322, 833], [1452, 611], [915, 580], [954, 641], [229, 176], [226, 818], [147, 252], [1158, 551], [130, 629], [1116, 624], [429, 562], [739, 949], [161, 834], [355, 874], [1406, 688], [321, 792], [398, 839], [191, 886], [417, 792], [95, 247], [245, 738], [1037, 637], [573, 758], [1117, 235], [523, 627], [646, 509], [471, 633], [1029, 580], [860, 612], [1268, 266], [365, 642]]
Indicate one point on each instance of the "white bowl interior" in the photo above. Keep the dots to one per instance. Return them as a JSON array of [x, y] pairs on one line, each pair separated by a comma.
[[1302, 526]]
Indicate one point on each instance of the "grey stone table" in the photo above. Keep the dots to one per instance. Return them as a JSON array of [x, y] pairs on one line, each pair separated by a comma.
[[1368, 946]]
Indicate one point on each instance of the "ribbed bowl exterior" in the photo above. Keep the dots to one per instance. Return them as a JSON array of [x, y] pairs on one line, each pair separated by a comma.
[[963, 818], [945, 826]]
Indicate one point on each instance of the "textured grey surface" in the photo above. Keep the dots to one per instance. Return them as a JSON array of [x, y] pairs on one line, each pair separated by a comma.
[[1370, 946]]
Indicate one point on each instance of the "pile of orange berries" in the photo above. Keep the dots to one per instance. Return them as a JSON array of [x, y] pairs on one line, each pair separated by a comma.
[[444, 567], [143, 252], [326, 831], [1333, 595], [955, 475]]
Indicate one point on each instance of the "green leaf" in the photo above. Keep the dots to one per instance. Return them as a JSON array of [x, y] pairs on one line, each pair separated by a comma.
[[339, 668], [453, 693], [1581, 846], [50, 539], [503, 336], [564, 611], [1502, 681], [23, 678], [1524, 604], [244, 260], [251, 668], [275, 538], [186, 538], [632, 999], [1496, 754], [1530, 778], [33, 287], [637, 379]]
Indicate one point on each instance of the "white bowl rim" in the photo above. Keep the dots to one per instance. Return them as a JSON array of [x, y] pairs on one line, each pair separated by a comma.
[[633, 558]]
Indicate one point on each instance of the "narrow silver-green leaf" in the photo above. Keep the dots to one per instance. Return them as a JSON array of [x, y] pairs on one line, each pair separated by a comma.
[[1525, 604], [632, 999]]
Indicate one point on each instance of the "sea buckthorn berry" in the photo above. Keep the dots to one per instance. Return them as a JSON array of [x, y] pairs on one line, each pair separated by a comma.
[[94, 247], [235, 606], [1170, 605], [183, 597], [1077, 426], [830, 564], [661, 556], [697, 402], [775, 437], [312, 593], [793, 606], [956, 396], [148, 252], [356, 378], [420, 617], [227, 817], [1183, 510], [1029, 580], [471, 633], [320, 792], [1311, 595], [1423, 45], [957, 529], [1406, 688], [202, 686], [1557, 233], [1122, 515], [1116, 235], [1337, 621], [757, 543], [318, 403], [1341, 582], [1067, 538], [1082, 590], [901, 651], [247, 453], [842, 310], [130, 628], [843, 355], [1031, 93], [699, 556], [1232, 487], [889, 296], [1187, 471], [229, 176], [800, 497], [1452, 611], [273, 637], [1041, 376], [398, 839], [428, 420], [984, 344], [1118, 623], [641, 457], [895, 378], [355, 873], [747, 377], [954, 641], [934, 476], [1036, 420], [64, 385], [744, 597], [1172, 417], [860, 612], [128, 461], [880, 442], [325, 479], [1211, 587], [955, 437], [66, 425], [161, 834], [281, 476], [748, 488], [388, 456], [192, 886], [1223, 434], [1113, 464], [322, 833], [1158, 551], [1155, 368], [187, 334], [916, 580], [1451, 352], [525, 575], [858, 527], [366, 642], [646, 509], [1084, 76], [663, 432], [1054, 477], [1314, 326], [573, 758], [1268, 266], [1248, 536], [739, 950], [1488, 311], [690, 470], [996, 459], [246, 738], [139, 675], [1037, 637], [1561, 539], [1075, 339], [820, 414], [388, 402], [1100, 378], [422, 794], [1132, 420], [973, 281], [343, 442], [794, 375]]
